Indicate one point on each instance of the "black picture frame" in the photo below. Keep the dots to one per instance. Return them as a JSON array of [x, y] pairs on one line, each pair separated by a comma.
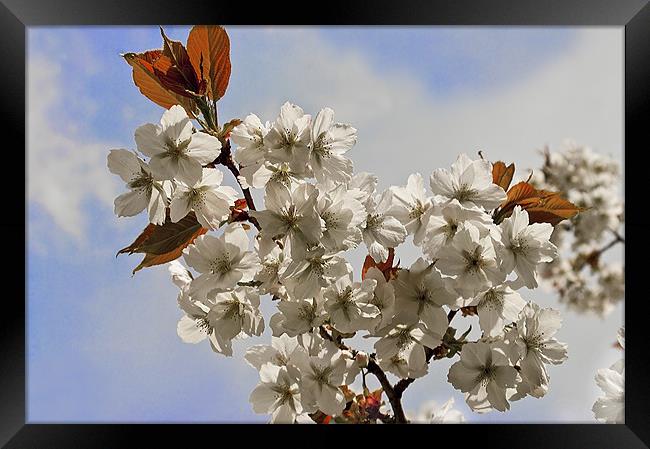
[[634, 15]]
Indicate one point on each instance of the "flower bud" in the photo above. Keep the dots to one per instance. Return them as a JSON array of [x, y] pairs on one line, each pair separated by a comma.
[[362, 359]]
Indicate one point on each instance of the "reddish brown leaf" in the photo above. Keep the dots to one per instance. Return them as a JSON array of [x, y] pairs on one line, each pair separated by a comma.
[[552, 209], [164, 243], [179, 75], [502, 175], [144, 235], [228, 127], [518, 193], [385, 267], [543, 206], [208, 47], [146, 80]]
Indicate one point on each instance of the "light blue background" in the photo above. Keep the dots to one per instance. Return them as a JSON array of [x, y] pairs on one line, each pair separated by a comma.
[[103, 345]]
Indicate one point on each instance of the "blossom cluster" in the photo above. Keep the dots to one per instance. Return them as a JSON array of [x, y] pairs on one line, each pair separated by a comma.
[[610, 408], [581, 274], [316, 208]]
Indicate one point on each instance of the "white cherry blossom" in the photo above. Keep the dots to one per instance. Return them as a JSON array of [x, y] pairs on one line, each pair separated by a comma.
[[175, 150], [268, 275], [610, 408], [383, 298], [421, 291], [409, 204], [400, 348], [249, 138], [469, 182], [209, 200], [291, 217], [278, 393], [349, 304], [363, 186], [278, 353], [144, 192], [221, 261], [307, 276], [432, 413], [236, 312], [498, 306], [298, 316], [483, 373], [381, 231], [221, 318], [181, 277], [472, 261], [342, 214], [329, 141], [288, 138], [444, 220], [322, 375], [537, 346], [524, 246]]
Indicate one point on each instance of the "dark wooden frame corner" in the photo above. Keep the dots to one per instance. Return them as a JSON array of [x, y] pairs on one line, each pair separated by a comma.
[[17, 15]]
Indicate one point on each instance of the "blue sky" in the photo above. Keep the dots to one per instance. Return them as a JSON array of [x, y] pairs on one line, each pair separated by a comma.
[[103, 345]]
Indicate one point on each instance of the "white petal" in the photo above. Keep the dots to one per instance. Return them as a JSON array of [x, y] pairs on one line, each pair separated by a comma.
[[204, 148], [131, 203], [163, 167], [322, 122], [461, 377], [497, 397], [263, 398], [124, 163], [149, 141], [180, 206], [441, 183], [157, 207], [175, 124], [188, 330], [331, 401], [211, 177], [258, 355], [189, 170]]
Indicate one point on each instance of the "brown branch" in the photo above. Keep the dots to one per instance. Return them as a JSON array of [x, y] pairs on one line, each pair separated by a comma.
[[593, 259], [403, 384], [326, 335], [374, 368], [394, 398], [225, 159], [619, 237], [610, 244]]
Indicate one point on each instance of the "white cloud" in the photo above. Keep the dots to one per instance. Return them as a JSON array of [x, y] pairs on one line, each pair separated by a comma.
[[66, 169], [578, 94]]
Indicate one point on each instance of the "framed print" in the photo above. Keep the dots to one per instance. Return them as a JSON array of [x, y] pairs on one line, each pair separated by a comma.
[[410, 214]]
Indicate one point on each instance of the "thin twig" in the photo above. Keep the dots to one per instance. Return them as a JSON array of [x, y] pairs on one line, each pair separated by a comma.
[[403, 384], [619, 237], [376, 370], [225, 159], [609, 245]]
